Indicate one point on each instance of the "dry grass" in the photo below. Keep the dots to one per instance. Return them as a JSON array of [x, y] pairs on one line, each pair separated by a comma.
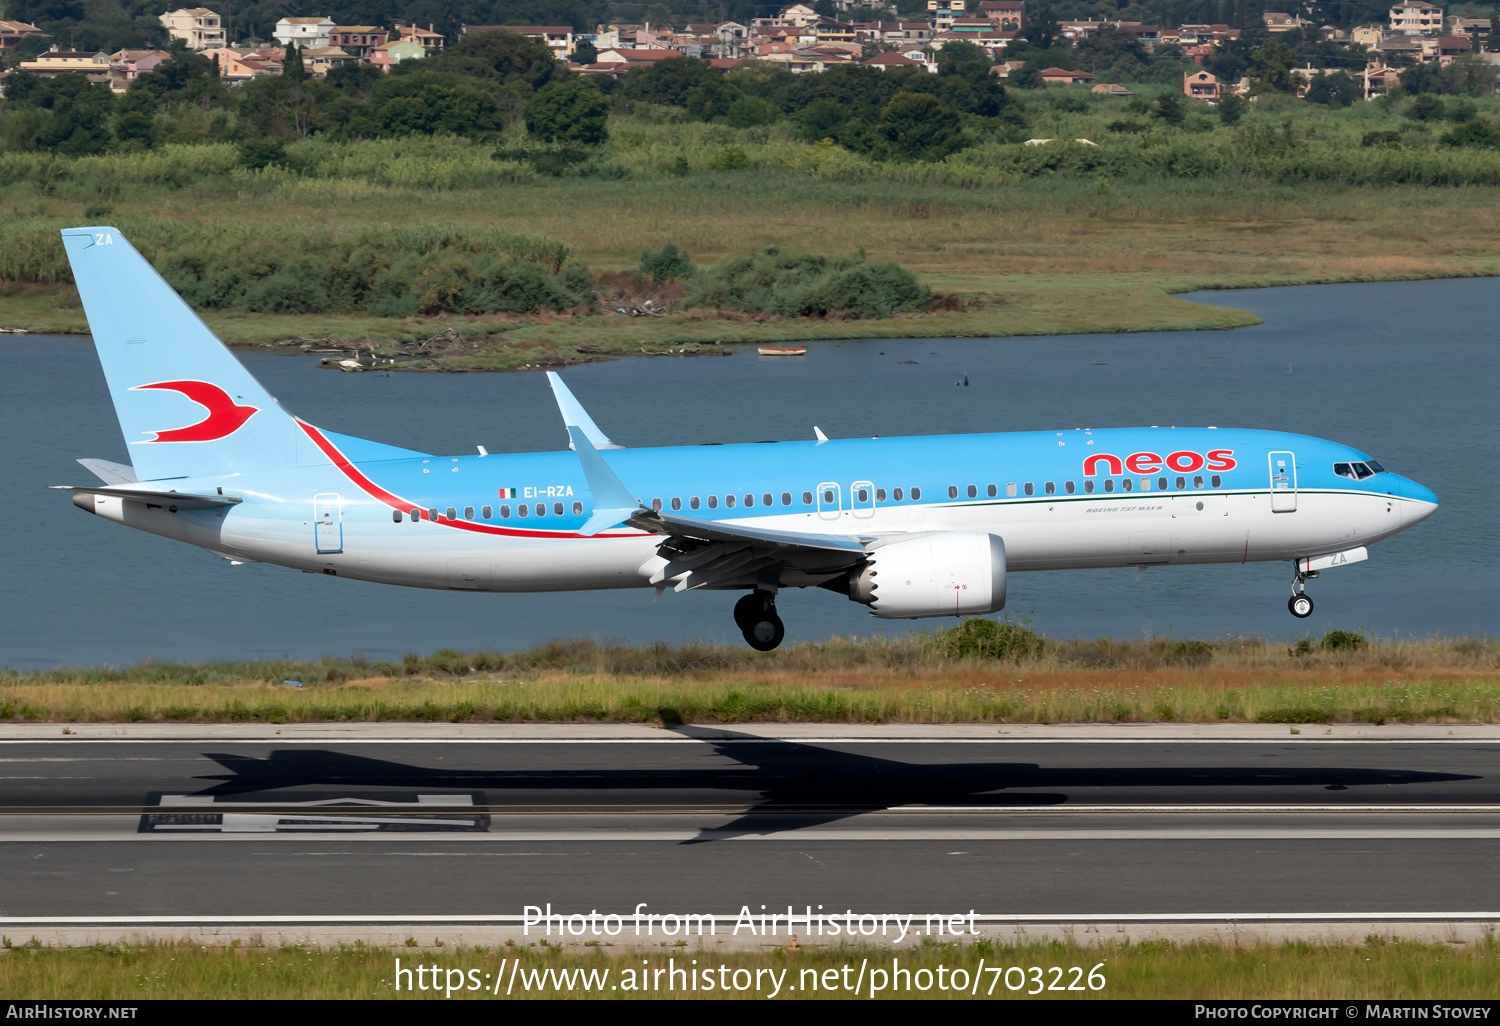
[[907, 680], [1374, 970]]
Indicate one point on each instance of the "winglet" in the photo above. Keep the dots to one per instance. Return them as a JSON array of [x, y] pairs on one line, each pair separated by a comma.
[[821, 436], [613, 503], [574, 415]]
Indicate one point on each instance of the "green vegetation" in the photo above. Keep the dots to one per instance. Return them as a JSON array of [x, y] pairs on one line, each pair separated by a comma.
[[1205, 970], [978, 672]]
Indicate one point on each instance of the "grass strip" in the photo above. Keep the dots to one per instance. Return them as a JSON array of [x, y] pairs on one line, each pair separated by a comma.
[[1002, 673], [1376, 969]]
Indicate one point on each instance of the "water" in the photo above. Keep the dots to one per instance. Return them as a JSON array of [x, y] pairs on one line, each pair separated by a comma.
[[1404, 371]]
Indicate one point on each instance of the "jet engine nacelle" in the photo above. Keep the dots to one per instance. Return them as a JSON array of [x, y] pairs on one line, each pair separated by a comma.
[[956, 573]]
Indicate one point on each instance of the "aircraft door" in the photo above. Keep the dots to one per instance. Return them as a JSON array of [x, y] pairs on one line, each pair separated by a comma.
[[862, 499], [829, 504], [1283, 482], [328, 527]]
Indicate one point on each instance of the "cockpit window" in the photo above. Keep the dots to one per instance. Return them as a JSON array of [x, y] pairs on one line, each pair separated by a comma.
[[1358, 471]]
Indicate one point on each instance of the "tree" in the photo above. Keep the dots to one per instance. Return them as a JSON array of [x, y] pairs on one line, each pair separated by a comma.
[[585, 53], [915, 126], [1231, 108], [1476, 133], [521, 63], [1271, 68], [568, 111], [669, 82], [1171, 108], [291, 67], [1335, 90]]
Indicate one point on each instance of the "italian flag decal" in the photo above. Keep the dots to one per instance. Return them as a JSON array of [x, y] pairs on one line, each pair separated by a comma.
[[508, 493]]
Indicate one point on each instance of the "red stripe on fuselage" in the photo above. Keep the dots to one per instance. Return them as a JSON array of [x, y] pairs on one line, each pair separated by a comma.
[[372, 489]]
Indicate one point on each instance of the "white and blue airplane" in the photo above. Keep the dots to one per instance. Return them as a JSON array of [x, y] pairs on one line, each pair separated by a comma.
[[910, 527]]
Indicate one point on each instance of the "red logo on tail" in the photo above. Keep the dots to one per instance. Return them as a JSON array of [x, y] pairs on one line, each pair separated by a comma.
[[224, 417]]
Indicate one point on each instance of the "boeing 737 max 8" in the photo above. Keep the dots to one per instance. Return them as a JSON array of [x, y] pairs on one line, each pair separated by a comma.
[[910, 527]]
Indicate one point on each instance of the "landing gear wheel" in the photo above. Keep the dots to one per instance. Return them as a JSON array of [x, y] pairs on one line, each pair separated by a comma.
[[765, 631], [1301, 606], [747, 608]]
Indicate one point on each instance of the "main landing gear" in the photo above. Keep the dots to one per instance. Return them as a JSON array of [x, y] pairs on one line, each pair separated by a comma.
[[1301, 603], [755, 615]]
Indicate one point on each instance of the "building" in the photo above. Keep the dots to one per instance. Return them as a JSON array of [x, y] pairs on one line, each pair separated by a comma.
[[1449, 47], [1011, 14], [320, 60], [1278, 22], [1368, 36], [360, 40], [943, 12], [427, 37], [12, 32], [240, 64], [1461, 26], [1062, 76], [636, 58], [887, 61], [93, 65], [397, 50], [127, 65], [1200, 85], [558, 38], [800, 15], [198, 27], [1111, 89], [1416, 17], [306, 33]]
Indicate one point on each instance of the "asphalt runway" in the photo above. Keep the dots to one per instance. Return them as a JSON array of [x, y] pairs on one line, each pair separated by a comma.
[[1237, 826]]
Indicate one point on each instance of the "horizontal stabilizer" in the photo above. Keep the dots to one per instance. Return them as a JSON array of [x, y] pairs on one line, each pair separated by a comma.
[[157, 496], [110, 473]]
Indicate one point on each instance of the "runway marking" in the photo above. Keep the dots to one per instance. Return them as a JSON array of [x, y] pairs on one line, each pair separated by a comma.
[[675, 809], [1304, 740]]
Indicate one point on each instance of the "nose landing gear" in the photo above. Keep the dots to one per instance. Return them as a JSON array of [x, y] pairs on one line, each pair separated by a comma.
[[1301, 603], [755, 615]]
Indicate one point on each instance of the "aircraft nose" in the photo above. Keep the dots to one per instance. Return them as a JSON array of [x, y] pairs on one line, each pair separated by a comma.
[[1419, 502]]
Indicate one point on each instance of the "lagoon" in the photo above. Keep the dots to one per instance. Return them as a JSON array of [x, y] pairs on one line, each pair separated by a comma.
[[1404, 370]]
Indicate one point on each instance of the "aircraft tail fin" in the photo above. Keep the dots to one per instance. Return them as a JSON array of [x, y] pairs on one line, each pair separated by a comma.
[[186, 406]]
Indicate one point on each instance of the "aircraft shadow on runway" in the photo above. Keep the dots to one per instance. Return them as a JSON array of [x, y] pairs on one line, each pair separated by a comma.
[[773, 785]]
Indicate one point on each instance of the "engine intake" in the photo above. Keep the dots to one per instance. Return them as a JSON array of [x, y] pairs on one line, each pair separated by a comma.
[[956, 573]]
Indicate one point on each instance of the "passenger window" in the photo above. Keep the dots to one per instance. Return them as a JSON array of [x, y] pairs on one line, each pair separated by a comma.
[[953, 491], [1181, 483], [916, 494], [1161, 484], [1145, 484], [578, 509], [749, 499], [1109, 484], [807, 498], [693, 502], [557, 509], [676, 502], [880, 495], [1215, 481], [786, 498], [991, 491], [1126, 484], [468, 512], [828, 496], [487, 512], [415, 515], [1069, 487], [1051, 488], [523, 509], [396, 515], [713, 502], [432, 515], [1088, 488], [973, 492], [1198, 482], [504, 512], [766, 499], [1029, 489], [728, 501], [452, 513], [656, 505], [541, 509], [897, 494], [863, 495], [1010, 489]]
